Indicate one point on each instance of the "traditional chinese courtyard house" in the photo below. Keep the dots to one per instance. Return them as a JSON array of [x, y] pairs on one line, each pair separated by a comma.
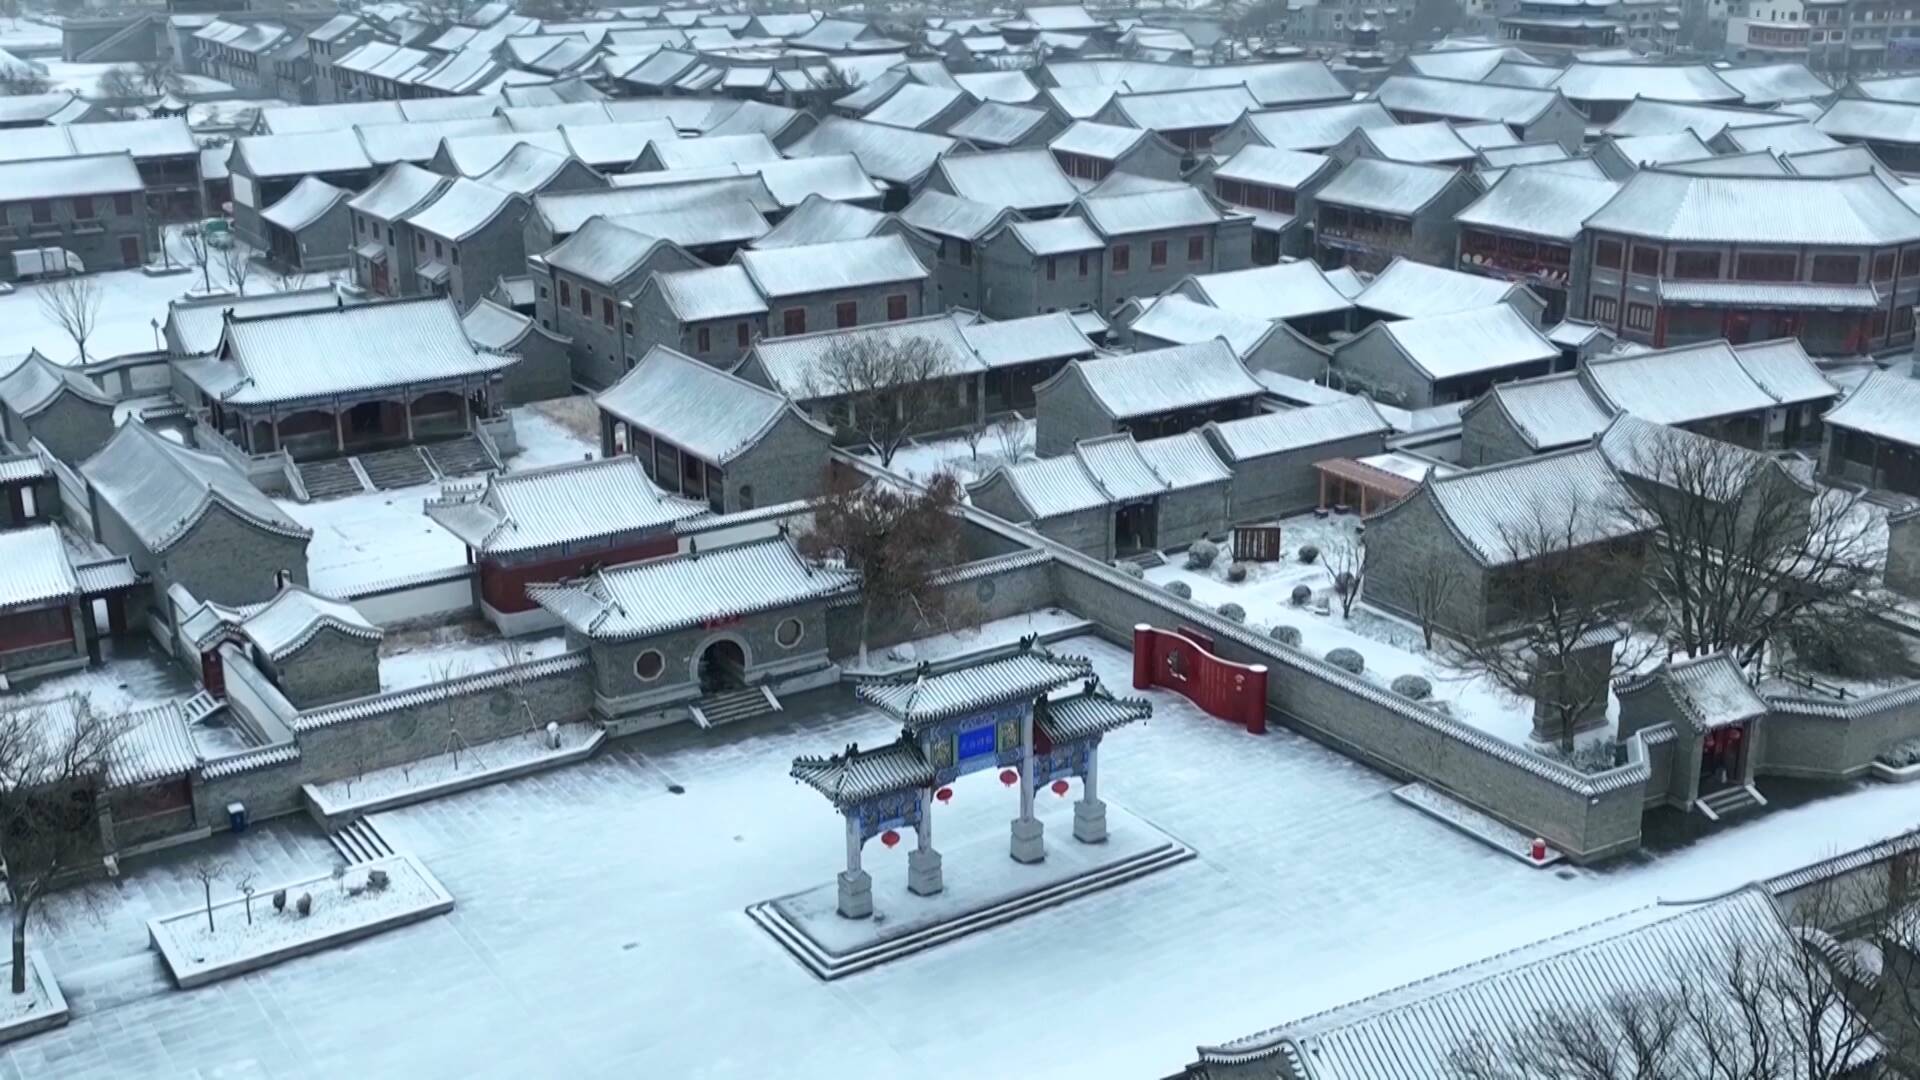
[[41, 627], [1714, 717], [344, 381], [554, 523], [710, 436], [1273, 456], [188, 517], [314, 649], [1112, 497], [1438, 359], [1527, 229], [28, 492], [1014, 714], [1376, 210], [56, 406], [670, 636], [1873, 436], [1147, 394]]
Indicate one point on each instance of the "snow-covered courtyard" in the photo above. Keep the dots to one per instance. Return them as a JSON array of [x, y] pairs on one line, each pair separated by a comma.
[[600, 929]]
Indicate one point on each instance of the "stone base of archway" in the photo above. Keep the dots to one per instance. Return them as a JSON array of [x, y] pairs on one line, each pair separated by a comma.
[[984, 888]]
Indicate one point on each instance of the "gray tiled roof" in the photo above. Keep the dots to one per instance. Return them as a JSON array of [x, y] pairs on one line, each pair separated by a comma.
[[162, 489], [1553, 411], [1466, 342], [399, 191], [1016, 179], [290, 620], [38, 570], [1855, 210], [819, 220], [36, 382], [1680, 385], [1407, 289], [698, 408], [917, 701], [573, 503], [1536, 202], [1886, 405], [308, 202], [855, 775], [842, 264], [1089, 715], [1391, 187], [1497, 512], [1708, 690], [889, 153], [1284, 291], [646, 598], [1162, 380], [1295, 429]]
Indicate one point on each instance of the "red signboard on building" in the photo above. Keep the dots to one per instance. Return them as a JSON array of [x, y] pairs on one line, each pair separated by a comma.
[[1182, 662]]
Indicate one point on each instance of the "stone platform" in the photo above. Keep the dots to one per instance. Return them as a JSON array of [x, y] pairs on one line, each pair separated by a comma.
[[985, 888]]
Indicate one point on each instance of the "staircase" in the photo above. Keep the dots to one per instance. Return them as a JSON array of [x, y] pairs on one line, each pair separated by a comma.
[[397, 468], [1146, 560], [1729, 800], [717, 709], [461, 457], [110, 47], [360, 842], [199, 707], [330, 479]]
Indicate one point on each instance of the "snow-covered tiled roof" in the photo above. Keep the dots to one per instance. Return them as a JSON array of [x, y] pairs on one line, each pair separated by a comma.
[[35, 382], [1761, 85], [491, 326], [1105, 142], [310, 200], [1023, 180], [1149, 211], [855, 775], [1885, 405], [65, 177], [1654, 952], [1057, 236], [1089, 714], [1784, 370], [940, 214], [301, 154], [641, 599], [1647, 117], [1535, 202], [38, 571], [695, 406], [1184, 461], [917, 701], [1163, 380], [819, 220], [1176, 319], [716, 292], [22, 469], [1830, 211], [1865, 120], [1551, 412], [714, 150], [525, 170], [1283, 291], [161, 489], [1008, 343], [1407, 289], [284, 624], [893, 154], [602, 250], [795, 363], [1708, 690], [1499, 513], [1273, 167], [1501, 157], [572, 503], [1664, 82], [290, 357], [1793, 137], [1427, 143], [462, 208], [831, 267], [1006, 87], [1183, 110], [1678, 386], [399, 191], [1316, 127], [914, 106], [1470, 65], [1467, 342], [1463, 101], [198, 324], [1390, 187], [566, 211], [1295, 429]]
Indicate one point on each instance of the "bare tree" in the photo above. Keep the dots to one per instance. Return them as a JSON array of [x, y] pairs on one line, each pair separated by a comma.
[[1010, 435], [512, 665], [1569, 592], [158, 76], [288, 278], [1749, 550], [206, 872], [1345, 561], [199, 252], [122, 84], [237, 260], [245, 883], [21, 80], [898, 542], [1435, 580], [53, 763], [883, 389], [73, 304]]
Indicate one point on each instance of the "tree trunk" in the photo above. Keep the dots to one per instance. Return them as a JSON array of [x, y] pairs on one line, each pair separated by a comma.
[[19, 949], [864, 608], [208, 886]]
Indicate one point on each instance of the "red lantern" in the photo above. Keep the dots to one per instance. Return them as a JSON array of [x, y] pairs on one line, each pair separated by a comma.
[[945, 794], [1009, 777], [889, 838], [1060, 788]]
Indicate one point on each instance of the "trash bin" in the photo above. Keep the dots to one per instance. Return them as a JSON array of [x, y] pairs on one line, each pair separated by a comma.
[[237, 816]]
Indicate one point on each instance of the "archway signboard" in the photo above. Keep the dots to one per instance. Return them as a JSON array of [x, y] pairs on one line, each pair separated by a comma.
[[1182, 661]]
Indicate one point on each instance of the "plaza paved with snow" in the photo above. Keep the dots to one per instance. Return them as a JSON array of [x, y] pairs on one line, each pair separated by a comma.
[[600, 929]]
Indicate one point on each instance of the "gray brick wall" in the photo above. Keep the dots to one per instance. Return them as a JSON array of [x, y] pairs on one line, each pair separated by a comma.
[[98, 240], [1015, 282], [1903, 554], [870, 304], [545, 370], [1066, 413], [1400, 547], [1372, 364], [1193, 513], [331, 667], [221, 559], [1488, 437], [497, 250], [789, 463], [1278, 485], [73, 428]]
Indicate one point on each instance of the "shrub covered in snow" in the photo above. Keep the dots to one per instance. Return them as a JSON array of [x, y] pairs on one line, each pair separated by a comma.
[[279, 899], [1900, 754], [1347, 660], [304, 905], [1232, 611], [1285, 635], [1132, 570], [1345, 582], [1588, 757], [1308, 553], [1237, 572], [1301, 594], [1413, 687], [1202, 554], [1180, 589]]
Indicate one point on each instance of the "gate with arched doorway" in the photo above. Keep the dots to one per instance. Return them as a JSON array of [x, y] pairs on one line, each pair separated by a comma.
[[722, 666]]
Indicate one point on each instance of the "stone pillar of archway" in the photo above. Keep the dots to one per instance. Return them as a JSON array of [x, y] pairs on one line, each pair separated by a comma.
[[923, 862], [1029, 833], [1090, 814], [856, 885]]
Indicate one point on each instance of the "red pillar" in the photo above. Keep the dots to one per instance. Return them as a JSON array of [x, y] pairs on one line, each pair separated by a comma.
[[1254, 706], [1142, 656]]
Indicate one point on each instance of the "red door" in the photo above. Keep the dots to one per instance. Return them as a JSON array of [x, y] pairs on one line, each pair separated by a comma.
[[212, 674], [130, 251]]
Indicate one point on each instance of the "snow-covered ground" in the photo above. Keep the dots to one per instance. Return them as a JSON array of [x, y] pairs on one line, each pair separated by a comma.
[[373, 536], [600, 928], [921, 460], [444, 768], [337, 907], [18, 34], [416, 658], [987, 635], [554, 432], [131, 304]]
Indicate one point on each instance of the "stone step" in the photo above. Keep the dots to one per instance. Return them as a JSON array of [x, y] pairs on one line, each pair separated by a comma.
[[359, 842], [461, 457], [1728, 801], [330, 479], [731, 707], [396, 468]]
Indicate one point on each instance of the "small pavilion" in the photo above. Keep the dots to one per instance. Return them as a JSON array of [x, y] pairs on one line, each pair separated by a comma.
[[1000, 714]]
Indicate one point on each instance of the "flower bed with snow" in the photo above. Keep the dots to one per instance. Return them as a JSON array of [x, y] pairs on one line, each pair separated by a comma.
[[41, 1008], [336, 801], [343, 911]]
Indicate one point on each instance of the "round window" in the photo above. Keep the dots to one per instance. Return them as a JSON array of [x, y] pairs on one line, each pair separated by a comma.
[[648, 665], [789, 633]]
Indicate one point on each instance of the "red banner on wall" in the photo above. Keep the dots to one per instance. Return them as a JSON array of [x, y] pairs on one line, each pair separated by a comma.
[[1181, 661]]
